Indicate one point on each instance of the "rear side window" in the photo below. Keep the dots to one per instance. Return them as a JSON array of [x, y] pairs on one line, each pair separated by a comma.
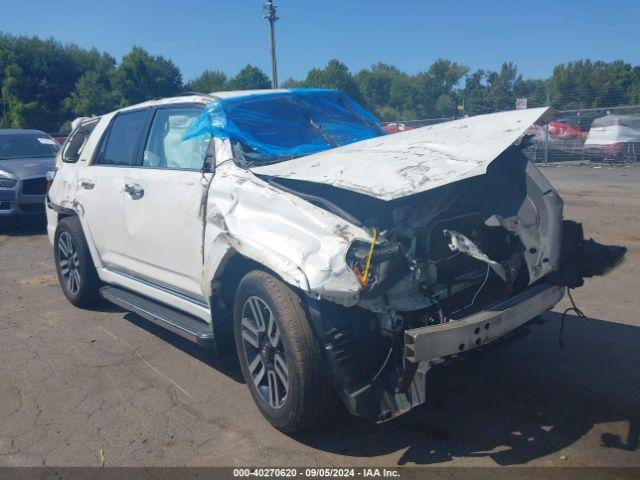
[[76, 142], [122, 142]]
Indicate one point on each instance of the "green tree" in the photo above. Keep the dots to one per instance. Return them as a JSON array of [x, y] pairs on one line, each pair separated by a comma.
[[436, 88], [375, 84], [634, 89], [141, 76], [292, 83], [249, 78], [334, 75], [18, 112], [36, 77], [486, 92], [94, 93], [586, 84], [44, 84], [502, 87], [403, 95], [207, 82]]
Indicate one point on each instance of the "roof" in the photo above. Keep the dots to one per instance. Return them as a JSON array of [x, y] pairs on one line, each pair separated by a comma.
[[20, 131], [200, 98], [631, 121], [203, 98]]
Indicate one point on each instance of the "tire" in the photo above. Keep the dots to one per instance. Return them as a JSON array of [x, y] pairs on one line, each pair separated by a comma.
[[262, 302], [76, 272]]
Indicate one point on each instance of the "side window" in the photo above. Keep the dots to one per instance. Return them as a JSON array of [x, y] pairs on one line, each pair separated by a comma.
[[74, 145], [165, 147], [123, 138]]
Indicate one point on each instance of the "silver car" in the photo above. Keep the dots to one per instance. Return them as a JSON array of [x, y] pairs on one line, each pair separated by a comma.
[[25, 158]]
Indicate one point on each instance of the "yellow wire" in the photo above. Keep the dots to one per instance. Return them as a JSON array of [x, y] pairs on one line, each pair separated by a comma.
[[368, 263]]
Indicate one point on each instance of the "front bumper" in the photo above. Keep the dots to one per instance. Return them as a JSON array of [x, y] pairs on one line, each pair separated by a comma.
[[14, 201], [446, 339]]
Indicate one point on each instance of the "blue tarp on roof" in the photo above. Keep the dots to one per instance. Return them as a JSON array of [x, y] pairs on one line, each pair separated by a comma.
[[288, 124]]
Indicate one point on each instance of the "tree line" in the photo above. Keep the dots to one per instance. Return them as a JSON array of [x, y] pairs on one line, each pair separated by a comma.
[[45, 84]]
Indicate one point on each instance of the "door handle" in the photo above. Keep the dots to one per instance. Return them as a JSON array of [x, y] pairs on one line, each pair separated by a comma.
[[134, 190], [87, 184]]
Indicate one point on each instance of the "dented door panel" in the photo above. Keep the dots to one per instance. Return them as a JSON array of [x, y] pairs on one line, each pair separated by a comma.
[[163, 229]]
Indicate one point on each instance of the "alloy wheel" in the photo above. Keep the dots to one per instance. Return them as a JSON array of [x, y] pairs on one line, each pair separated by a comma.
[[69, 263], [264, 352]]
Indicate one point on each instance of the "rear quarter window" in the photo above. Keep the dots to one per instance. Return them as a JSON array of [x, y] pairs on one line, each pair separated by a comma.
[[76, 142]]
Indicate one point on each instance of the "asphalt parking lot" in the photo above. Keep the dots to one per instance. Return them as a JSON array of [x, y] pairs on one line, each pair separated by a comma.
[[85, 388]]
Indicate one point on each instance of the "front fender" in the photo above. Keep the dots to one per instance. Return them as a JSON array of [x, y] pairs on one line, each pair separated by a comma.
[[225, 246], [303, 244]]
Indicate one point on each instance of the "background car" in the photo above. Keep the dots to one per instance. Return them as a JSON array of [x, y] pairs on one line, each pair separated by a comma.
[[617, 137], [25, 158]]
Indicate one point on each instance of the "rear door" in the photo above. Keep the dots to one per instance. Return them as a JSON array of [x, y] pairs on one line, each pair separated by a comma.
[[162, 215], [101, 193]]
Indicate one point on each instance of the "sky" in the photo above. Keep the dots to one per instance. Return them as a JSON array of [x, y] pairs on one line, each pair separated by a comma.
[[410, 34]]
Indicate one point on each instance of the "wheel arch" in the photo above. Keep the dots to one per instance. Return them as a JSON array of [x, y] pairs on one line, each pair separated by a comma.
[[223, 287], [62, 213]]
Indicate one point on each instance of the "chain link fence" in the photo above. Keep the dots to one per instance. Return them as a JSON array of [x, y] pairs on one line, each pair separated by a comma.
[[596, 135], [602, 135]]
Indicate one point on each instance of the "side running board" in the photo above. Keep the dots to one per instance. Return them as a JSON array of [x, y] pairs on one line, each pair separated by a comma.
[[184, 325]]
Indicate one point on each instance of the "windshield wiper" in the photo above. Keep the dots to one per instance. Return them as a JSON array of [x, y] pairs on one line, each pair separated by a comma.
[[324, 133]]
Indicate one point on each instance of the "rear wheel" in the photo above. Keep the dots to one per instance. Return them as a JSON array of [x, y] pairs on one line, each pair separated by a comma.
[[279, 355], [76, 272]]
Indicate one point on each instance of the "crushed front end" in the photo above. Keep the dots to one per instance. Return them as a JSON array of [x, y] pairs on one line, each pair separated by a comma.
[[446, 271]]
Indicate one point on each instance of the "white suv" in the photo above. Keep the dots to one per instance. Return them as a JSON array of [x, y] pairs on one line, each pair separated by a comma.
[[340, 262]]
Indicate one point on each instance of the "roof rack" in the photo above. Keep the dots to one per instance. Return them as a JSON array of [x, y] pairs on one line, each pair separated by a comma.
[[188, 94]]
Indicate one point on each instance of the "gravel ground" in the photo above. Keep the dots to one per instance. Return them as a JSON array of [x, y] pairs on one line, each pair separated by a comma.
[[82, 388]]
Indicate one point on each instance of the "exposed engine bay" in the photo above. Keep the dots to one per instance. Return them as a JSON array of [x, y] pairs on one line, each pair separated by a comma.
[[437, 257]]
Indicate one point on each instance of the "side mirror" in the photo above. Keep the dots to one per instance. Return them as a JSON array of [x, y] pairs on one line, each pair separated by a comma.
[[209, 165]]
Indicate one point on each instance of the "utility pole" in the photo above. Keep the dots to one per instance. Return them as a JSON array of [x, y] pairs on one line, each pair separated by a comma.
[[270, 15]]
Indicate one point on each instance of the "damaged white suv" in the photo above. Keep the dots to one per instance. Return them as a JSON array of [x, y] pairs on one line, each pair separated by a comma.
[[339, 261]]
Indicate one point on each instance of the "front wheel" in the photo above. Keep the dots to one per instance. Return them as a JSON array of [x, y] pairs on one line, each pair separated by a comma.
[[279, 355]]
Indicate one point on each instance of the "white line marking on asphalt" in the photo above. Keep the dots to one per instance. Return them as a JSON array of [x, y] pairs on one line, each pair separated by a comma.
[[147, 363]]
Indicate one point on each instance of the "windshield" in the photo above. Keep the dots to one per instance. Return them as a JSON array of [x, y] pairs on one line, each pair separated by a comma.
[[272, 127], [27, 145]]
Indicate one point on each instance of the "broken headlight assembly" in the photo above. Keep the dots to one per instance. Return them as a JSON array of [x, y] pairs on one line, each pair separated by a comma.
[[7, 180], [377, 265]]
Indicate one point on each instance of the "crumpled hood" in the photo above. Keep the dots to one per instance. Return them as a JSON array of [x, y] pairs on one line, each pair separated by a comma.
[[409, 162], [28, 167]]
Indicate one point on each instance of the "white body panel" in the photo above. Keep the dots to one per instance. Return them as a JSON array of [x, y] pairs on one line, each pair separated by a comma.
[[164, 227], [103, 211]]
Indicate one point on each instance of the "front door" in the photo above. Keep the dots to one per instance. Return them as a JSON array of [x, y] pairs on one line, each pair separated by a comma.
[[162, 211]]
